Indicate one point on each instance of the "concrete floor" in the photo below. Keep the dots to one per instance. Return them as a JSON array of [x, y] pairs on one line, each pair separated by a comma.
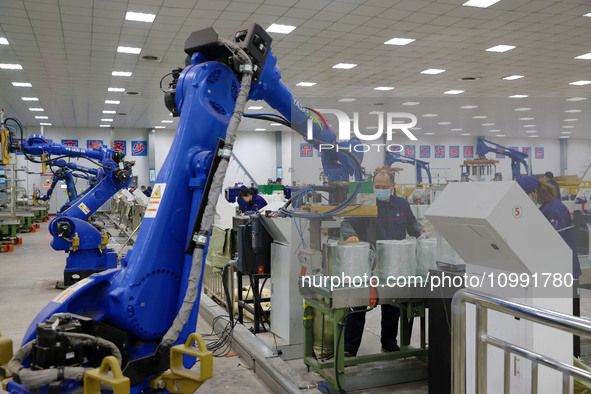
[[27, 284]]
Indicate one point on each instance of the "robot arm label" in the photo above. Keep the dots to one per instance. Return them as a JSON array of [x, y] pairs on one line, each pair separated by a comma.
[[154, 202]]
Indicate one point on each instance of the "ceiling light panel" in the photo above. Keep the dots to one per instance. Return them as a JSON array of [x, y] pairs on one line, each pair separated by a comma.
[[139, 17], [132, 50], [281, 29], [399, 41]]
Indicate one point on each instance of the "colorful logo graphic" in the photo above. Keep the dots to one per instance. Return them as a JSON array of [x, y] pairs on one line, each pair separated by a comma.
[[305, 150], [410, 151], [139, 148], [439, 151], [94, 144], [454, 151], [425, 151], [468, 152], [539, 153], [526, 150], [121, 145], [70, 143]]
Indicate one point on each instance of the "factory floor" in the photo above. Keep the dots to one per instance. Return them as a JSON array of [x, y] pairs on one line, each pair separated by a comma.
[[27, 283]]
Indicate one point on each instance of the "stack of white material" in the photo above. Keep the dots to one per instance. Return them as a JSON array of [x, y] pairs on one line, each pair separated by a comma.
[[396, 258], [426, 255]]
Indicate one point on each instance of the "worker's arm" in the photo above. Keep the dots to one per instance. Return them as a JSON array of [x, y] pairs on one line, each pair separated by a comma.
[[258, 202], [348, 232]]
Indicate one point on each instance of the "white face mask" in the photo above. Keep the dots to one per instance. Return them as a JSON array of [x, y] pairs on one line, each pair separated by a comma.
[[382, 194]]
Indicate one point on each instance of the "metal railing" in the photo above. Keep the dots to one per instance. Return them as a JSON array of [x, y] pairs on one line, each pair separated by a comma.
[[483, 303]]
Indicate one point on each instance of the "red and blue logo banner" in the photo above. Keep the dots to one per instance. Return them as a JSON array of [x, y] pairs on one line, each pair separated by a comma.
[[539, 153], [526, 150], [439, 151], [468, 152], [306, 150], [454, 151], [514, 148], [425, 151], [139, 148], [410, 151], [70, 143], [94, 144], [120, 145]]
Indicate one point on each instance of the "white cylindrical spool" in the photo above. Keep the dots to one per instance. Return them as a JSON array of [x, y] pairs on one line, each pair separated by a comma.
[[349, 259], [426, 255], [396, 258]]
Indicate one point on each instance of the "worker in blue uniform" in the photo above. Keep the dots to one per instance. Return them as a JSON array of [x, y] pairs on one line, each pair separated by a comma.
[[549, 178], [250, 201], [394, 220], [543, 194]]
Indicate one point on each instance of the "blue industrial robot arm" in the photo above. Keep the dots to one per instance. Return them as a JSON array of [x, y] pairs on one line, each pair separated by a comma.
[[420, 165], [484, 146]]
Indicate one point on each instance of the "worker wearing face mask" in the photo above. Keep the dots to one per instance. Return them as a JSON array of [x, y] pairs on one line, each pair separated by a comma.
[[394, 220], [543, 194]]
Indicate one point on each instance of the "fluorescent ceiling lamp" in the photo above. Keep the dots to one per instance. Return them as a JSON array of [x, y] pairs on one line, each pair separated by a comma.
[[139, 17], [580, 83], [522, 109], [456, 129], [45, 124], [530, 131], [106, 120], [275, 124], [444, 123], [260, 129], [572, 111], [22, 84], [415, 128], [306, 84], [480, 3], [429, 133], [465, 134], [429, 115], [576, 99], [384, 88], [519, 96], [529, 125], [29, 99], [494, 131], [9, 66], [281, 29], [500, 135], [167, 121], [399, 41], [500, 48], [570, 120], [512, 77], [432, 71], [159, 127], [480, 117], [108, 112], [411, 103], [532, 136], [526, 118], [112, 101], [586, 56], [105, 125], [116, 89], [588, 15], [36, 109], [255, 107], [488, 124], [566, 132], [453, 92], [3, 41], [347, 100], [132, 50], [121, 73], [568, 127], [41, 117], [345, 66], [469, 106]]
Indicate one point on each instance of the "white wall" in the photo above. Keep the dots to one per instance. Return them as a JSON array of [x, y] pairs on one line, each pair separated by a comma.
[[579, 151]]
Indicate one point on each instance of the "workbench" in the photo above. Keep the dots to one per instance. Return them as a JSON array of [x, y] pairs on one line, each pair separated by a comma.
[[336, 304]]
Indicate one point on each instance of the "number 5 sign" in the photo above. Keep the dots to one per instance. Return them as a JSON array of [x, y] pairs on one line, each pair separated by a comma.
[[517, 211]]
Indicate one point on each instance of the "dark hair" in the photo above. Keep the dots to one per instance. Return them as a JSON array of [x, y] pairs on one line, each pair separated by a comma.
[[244, 191], [546, 192], [549, 174], [389, 174]]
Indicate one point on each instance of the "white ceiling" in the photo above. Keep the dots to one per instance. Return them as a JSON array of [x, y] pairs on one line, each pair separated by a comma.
[[68, 50]]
